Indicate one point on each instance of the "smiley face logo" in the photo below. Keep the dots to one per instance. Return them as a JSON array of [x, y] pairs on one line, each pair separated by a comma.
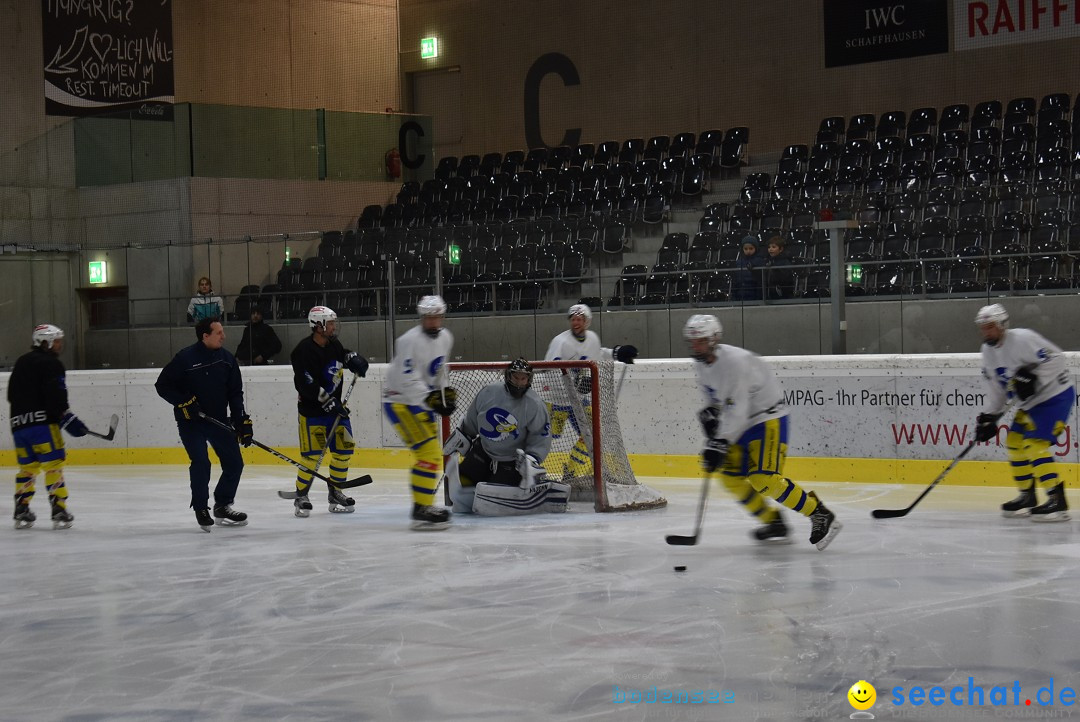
[[862, 695]]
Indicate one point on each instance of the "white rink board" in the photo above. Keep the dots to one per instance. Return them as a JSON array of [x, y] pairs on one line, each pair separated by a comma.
[[853, 406]]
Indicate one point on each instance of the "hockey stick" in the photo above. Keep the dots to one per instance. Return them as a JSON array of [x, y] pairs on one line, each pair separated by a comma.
[[686, 541], [113, 421], [358, 481], [622, 377], [895, 513]]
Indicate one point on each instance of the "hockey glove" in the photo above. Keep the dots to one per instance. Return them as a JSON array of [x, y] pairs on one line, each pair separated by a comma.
[[190, 409], [625, 353], [1024, 382], [458, 443], [986, 427], [713, 455], [332, 406], [442, 401], [584, 384], [531, 470], [356, 363], [710, 420], [245, 433], [71, 424]]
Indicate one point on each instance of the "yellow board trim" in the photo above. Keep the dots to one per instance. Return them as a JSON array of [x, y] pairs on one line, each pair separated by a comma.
[[861, 471]]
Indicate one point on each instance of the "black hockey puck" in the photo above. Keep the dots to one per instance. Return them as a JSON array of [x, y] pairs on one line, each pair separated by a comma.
[[680, 568]]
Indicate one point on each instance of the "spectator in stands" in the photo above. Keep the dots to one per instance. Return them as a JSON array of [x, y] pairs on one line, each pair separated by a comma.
[[259, 344], [205, 304], [747, 282], [779, 278]]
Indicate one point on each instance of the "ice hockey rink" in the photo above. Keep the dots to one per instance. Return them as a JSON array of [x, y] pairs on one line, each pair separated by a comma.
[[135, 614]]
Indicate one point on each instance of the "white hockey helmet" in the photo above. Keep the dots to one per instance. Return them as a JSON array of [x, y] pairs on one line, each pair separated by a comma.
[[580, 309], [703, 326], [431, 306], [994, 313], [319, 315], [48, 333]]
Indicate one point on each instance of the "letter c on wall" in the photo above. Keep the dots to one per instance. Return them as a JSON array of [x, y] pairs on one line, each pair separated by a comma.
[[563, 67], [403, 145]]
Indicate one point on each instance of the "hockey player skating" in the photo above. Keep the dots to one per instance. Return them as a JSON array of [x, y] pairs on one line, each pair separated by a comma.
[[746, 433], [504, 438], [413, 394], [578, 343], [318, 364], [204, 379], [37, 391], [1020, 362]]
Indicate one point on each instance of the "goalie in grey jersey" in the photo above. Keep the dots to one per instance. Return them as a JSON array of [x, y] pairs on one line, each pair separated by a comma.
[[504, 439]]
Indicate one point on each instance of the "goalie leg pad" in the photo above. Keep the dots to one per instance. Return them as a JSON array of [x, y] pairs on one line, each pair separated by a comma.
[[557, 500], [504, 500]]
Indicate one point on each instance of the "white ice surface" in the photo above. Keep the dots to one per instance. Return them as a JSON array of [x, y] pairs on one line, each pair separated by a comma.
[[134, 614]]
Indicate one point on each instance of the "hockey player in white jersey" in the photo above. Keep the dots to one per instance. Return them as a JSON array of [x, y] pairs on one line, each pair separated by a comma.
[[414, 392], [504, 439], [1019, 362], [746, 433], [579, 343]]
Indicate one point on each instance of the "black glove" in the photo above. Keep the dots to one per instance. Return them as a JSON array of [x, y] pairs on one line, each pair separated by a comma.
[[625, 353], [986, 426], [190, 409], [1024, 382], [356, 363], [71, 424], [710, 420], [713, 455], [584, 384], [435, 401], [245, 433], [333, 406]]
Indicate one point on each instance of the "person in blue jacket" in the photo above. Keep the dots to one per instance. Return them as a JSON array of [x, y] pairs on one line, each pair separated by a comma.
[[204, 380]]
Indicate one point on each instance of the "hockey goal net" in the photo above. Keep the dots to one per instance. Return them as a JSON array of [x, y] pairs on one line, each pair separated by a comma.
[[587, 448]]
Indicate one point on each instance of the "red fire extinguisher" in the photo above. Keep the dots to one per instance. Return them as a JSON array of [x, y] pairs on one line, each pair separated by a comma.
[[393, 164]]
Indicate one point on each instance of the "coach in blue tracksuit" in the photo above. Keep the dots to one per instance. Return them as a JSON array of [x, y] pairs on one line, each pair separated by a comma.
[[204, 379]]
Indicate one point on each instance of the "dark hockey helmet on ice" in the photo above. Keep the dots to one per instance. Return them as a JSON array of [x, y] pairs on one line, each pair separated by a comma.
[[520, 366]]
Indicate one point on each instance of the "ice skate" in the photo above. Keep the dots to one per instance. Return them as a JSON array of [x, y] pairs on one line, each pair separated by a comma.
[[775, 532], [1021, 505], [429, 518], [339, 503], [227, 516], [1055, 508], [824, 526], [24, 518], [206, 522], [61, 517], [302, 507]]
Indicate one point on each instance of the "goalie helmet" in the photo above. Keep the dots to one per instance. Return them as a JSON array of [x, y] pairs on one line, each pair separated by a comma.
[[431, 306], [994, 313], [318, 316], [580, 309], [521, 366], [46, 333], [703, 326]]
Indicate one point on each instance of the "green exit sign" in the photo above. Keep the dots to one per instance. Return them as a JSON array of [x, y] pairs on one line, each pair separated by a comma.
[[454, 255], [99, 272], [854, 273], [429, 48]]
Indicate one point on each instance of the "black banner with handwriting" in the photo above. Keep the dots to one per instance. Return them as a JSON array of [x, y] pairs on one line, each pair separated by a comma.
[[107, 56]]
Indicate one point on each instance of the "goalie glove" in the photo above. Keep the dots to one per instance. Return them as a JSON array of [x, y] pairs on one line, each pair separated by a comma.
[[1024, 381], [713, 455], [625, 353], [532, 472], [710, 420], [442, 401], [986, 427], [245, 432], [356, 363], [71, 424], [458, 443]]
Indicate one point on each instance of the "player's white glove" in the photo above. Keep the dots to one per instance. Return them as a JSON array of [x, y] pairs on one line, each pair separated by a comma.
[[458, 443], [532, 473]]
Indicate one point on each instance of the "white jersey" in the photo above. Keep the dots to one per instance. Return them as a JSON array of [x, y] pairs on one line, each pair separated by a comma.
[[743, 387], [505, 424], [417, 367], [567, 347], [1018, 348]]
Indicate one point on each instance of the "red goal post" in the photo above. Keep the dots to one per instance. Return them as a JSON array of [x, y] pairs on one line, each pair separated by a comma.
[[581, 401]]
